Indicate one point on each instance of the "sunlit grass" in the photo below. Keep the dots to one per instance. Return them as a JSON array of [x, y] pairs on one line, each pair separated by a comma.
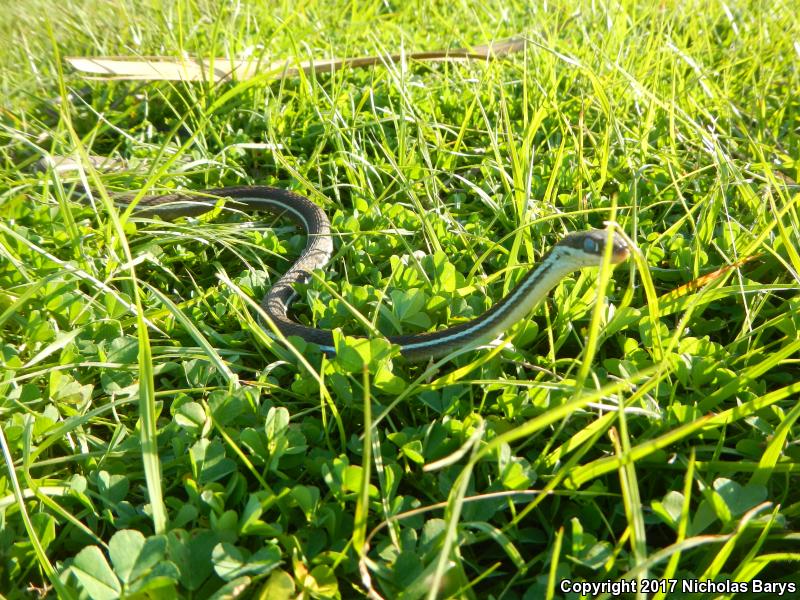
[[640, 424]]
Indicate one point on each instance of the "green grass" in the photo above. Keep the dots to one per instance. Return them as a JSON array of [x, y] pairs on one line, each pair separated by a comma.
[[156, 443]]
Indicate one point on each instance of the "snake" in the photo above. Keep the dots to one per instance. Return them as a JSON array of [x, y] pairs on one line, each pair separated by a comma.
[[574, 251]]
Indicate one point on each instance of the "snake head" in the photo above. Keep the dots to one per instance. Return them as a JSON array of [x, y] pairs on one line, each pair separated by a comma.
[[590, 246]]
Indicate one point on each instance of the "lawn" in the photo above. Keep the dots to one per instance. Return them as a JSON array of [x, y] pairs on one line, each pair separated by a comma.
[[635, 434]]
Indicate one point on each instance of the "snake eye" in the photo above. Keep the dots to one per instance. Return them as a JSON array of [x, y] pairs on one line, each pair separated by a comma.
[[591, 246]]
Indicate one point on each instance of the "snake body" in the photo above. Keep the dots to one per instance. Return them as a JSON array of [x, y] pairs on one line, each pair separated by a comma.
[[574, 251]]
